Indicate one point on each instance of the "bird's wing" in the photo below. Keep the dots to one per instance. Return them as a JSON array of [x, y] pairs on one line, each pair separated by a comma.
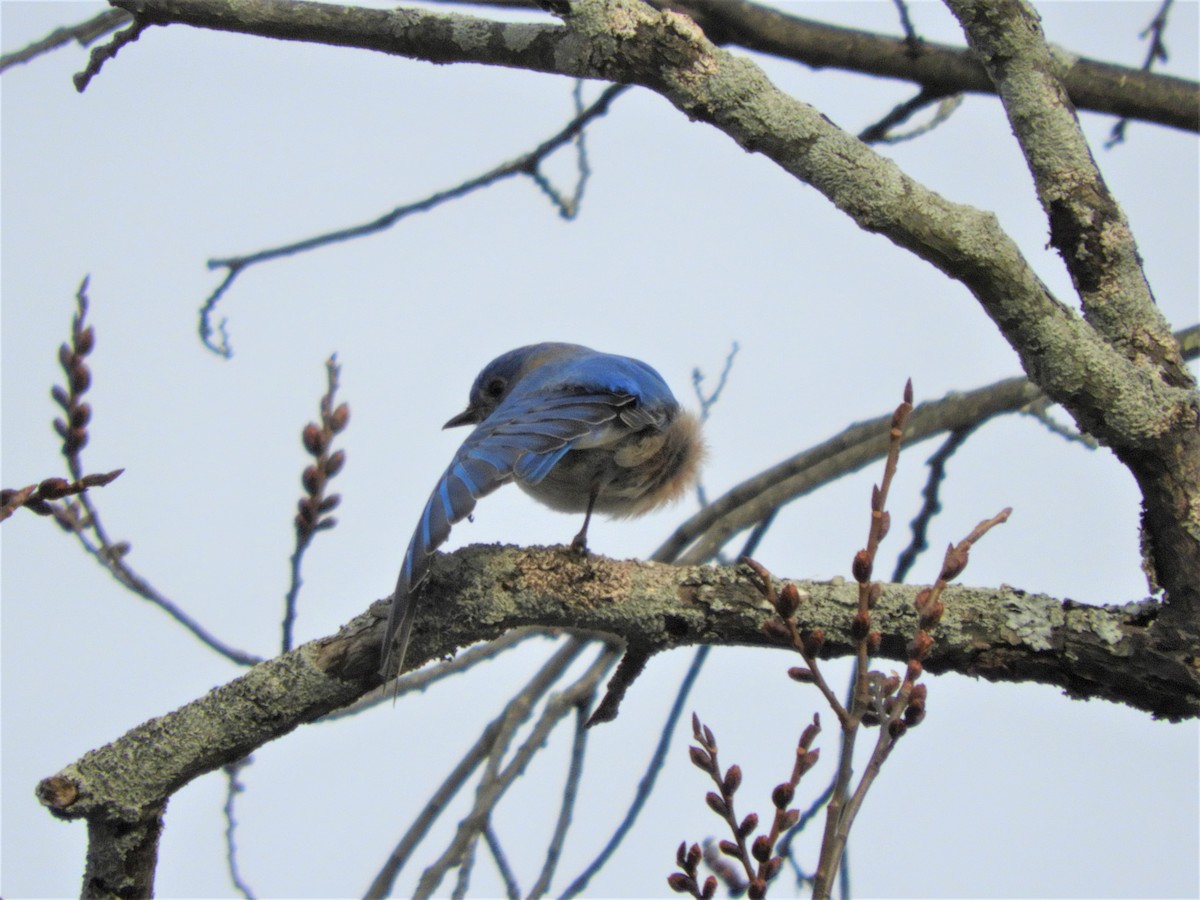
[[525, 437]]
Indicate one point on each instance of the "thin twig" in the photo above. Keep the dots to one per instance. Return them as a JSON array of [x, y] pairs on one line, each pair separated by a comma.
[[932, 505], [102, 54], [84, 33], [493, 784], [568, 207], [1040, 410], [910, 33], [524, 165], [882, 132], [646, 785], [1156, 52], [234, 787], [492, 840], [566, 811], [493, 733], [707, 402]]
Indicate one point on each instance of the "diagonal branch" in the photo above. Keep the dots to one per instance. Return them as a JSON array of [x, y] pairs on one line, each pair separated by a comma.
[[84, 33], [1156, 432], [939, 69], [748, 503]]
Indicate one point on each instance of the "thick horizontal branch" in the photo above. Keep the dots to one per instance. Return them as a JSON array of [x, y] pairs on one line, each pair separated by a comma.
[[480, 592], [939, 69]]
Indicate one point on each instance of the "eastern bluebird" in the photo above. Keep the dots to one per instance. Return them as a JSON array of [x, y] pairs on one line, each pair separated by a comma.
[[578, 430]]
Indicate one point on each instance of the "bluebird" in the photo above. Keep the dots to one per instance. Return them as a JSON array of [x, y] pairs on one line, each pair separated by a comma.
[[578, 430]]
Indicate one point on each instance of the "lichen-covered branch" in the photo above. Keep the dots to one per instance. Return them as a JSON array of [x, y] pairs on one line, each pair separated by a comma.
[[1001, 634], [939, 69], [479, 592], [1157, 432], [1087, 226]]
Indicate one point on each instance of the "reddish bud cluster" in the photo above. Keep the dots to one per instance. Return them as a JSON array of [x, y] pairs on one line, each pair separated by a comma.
[[73, 428], [37, 497], [861, 567], [685, 882], [757, 857], [920, 645], [954, 563], [813, 642], [800, 674], [317, 439], [788, 601]]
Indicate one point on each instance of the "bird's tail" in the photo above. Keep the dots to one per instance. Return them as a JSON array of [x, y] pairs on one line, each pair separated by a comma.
[[399, 630]]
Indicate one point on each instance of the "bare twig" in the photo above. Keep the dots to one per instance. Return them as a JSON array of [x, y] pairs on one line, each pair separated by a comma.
[[910, 33], [566, 811], [80, 517], [511, 889], [84, 33], [498, 731], [649, 777], [1040, 410], [932, 505], [526, 164], [102, 54], [1156, 52], [568, 206], [234, 787], [883, 131], [707, 402], [496, 780]]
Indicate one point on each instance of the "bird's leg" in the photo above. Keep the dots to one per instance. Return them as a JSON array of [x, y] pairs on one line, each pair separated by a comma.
[[579, 543]]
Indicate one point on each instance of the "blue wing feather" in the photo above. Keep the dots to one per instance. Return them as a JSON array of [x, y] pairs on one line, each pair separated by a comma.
[[525, 437]]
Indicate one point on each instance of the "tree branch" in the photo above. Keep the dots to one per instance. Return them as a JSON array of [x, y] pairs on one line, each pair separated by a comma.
[[939, 69], [84, 33], [1156, 432], [1001, 634], [700, 537]]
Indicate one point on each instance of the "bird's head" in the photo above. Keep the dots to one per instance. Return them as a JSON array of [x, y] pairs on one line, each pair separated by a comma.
[[503, 373]]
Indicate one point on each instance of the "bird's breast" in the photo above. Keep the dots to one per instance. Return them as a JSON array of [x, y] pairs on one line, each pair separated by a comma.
[[632, 473]]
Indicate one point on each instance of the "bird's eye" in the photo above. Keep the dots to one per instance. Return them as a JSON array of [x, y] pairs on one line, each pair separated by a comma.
[[494, 388]]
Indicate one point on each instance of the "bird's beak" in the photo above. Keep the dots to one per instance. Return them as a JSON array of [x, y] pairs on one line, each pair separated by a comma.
[[469, 416]]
